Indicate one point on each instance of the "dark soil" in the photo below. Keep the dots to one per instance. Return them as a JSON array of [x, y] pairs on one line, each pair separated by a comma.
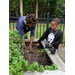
[[42, 57]]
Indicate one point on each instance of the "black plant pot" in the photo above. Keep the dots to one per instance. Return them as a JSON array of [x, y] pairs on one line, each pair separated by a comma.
[[52, 51]]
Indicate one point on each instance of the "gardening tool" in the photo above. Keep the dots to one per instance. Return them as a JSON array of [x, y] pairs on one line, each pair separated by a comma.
[[36, 46]]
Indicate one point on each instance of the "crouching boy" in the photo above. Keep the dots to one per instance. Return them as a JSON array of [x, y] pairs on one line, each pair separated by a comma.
[[54, 36]]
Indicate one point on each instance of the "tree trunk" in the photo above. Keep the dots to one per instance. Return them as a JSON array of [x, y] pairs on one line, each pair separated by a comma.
[[21, 7], [36, 8]]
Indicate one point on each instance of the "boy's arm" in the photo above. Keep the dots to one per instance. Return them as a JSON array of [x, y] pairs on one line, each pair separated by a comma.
[[58, 41], [44, 36]]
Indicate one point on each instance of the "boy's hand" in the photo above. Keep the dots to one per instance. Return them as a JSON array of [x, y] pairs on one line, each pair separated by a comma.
[[49, 43], [37, 44]]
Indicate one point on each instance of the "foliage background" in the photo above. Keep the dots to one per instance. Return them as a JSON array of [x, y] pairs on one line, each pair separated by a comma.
[[55, 7]]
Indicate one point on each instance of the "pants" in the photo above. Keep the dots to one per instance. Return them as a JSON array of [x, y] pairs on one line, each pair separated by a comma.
[[25, 35]]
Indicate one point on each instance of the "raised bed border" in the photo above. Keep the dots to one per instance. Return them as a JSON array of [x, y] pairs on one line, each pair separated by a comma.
[[28, 40]]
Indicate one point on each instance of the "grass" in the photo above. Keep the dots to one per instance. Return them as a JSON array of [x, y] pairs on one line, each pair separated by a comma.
[[40, 29]]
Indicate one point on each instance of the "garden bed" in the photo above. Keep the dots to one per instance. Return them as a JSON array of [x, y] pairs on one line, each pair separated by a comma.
[[39, 56], [18, 57]]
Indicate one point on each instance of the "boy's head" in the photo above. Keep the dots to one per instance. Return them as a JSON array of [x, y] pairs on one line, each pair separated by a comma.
[[31, 19], [55, 23]]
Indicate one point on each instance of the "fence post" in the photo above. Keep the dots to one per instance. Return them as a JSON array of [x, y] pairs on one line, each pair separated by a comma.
[[47, 20]]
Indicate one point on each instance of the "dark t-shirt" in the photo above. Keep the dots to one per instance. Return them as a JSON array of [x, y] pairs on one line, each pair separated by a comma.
[[58, 37]]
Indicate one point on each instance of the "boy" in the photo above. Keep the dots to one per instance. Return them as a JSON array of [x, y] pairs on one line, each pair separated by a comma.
[[25, 24], [54, 36]]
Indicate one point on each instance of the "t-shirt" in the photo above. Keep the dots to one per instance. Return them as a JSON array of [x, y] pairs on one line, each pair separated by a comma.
[[53, 37], [23, 28]]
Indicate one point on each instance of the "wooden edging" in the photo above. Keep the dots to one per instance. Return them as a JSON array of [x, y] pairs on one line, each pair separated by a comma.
[[28, 40], [54, 58]]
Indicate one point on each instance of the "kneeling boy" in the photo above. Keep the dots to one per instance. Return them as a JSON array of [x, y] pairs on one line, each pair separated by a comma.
[[54, 36]]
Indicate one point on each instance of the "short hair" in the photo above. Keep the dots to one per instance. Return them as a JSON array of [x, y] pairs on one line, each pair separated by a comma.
[[31, 19], [57, 20]]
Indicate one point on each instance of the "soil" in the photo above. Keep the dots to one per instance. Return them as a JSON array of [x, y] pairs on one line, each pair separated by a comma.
[[42, 57]]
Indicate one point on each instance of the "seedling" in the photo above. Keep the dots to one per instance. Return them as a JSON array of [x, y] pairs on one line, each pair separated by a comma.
[[43, 50]]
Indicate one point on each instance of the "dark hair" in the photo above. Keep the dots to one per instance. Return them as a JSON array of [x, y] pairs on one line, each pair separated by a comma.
[[57, 20], [31, 19]]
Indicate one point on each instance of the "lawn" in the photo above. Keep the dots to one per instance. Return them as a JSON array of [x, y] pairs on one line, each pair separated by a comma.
[[40, 29]]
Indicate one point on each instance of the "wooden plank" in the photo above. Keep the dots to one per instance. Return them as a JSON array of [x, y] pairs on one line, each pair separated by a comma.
[[28, 40], [55, 58]]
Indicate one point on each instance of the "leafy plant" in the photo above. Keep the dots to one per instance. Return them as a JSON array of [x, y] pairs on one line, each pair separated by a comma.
[[43, 50], [41, 68]]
